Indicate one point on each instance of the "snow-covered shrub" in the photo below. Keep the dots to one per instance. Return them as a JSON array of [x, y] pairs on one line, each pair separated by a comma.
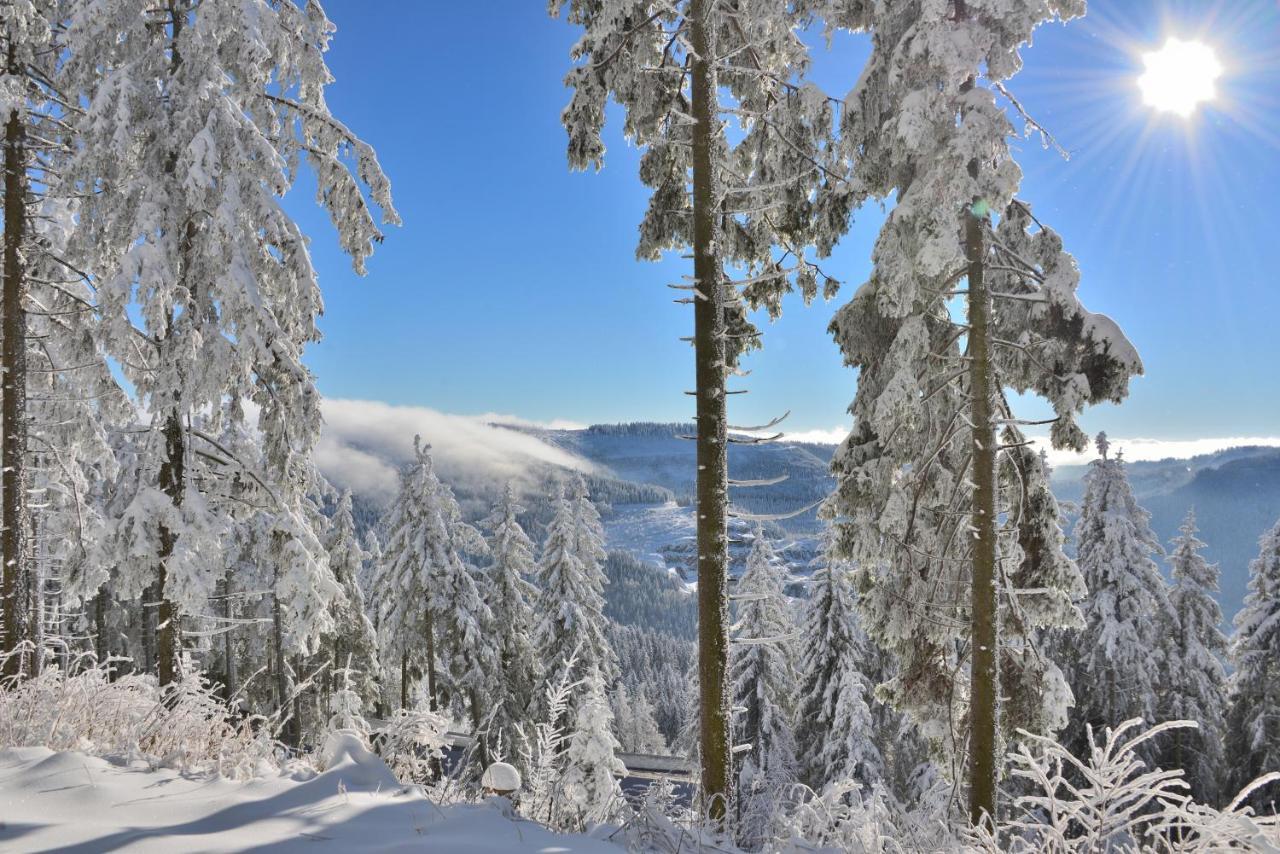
[[411, 743], [845, 816], [1111, 801], [186, 725], [347, 716], [543, 753]]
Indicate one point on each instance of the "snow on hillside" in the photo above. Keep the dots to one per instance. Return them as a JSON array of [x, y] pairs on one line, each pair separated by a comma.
[[78, 803]]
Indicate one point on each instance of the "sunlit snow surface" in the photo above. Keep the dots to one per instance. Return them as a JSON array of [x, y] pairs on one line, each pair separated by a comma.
[[77, 803]]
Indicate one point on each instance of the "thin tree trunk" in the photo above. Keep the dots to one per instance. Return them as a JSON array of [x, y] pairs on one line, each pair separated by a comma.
[[15, 558], [150, 599], [482, 740], [289, 732], [172, 478], [709, 341], [432, 700], [404, 680], [228, 643], [984, 640], [100, 645], [172, 470]]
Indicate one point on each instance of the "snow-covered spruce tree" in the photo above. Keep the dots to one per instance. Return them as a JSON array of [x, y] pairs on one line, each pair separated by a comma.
[[1194, 682], [517, 686], [434, 622], [834, 725], [42, 326], [1254, 721], [1113, 664], [920, 492], [590, 793], [744, 202], [763, 675], [634, 724], [352, 644], [195, 126], [470, 643], [570, 603]]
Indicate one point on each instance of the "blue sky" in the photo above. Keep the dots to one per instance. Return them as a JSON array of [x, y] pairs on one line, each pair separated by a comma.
[[512, 286]]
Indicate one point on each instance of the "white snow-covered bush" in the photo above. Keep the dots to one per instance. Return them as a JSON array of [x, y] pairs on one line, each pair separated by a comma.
[[1112, 801], [411, 743], [543, 752], [186, 725]]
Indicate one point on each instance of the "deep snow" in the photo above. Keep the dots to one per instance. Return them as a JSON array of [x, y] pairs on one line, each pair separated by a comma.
[[77, 803]]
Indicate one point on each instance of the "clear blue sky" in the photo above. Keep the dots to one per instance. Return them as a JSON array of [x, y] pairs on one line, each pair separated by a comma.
[[512, 286]]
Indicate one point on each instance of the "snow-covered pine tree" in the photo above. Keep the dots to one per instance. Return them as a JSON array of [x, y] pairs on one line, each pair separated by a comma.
[[194, 127], [352, 645], [763, 675], [570, 603], [1254, 722], [743, 201], [1113, 663], [919, 492], [518, 682], [416, 541], [433, 620], [590, 793], [1194, 682], [634, 724], [56, 388], [834, 726], [469, 640]]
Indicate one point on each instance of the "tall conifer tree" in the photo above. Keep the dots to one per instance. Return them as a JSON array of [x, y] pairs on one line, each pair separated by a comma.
[[1194, 683], [742, 202], [921, 481], [1114, 663], [1254, 722]]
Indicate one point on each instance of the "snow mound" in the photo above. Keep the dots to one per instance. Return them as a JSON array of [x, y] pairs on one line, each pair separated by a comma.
[[501, 777], [359, 769], [76, 803]]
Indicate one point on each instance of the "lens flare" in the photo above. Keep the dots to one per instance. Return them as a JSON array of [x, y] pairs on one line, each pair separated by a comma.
[[1180, 76]]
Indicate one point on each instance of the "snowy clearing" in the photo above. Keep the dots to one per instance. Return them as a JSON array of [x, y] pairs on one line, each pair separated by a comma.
[[73, 802]]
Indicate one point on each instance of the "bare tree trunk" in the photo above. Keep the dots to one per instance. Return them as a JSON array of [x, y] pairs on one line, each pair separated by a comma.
[[709, 341], [404, 680], [172, 479], [289, 733], [983, 643], [15, 552], [101, 648], [433, 702], [228, 642]]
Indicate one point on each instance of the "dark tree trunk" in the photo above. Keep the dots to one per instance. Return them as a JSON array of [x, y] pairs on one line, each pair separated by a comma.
[[172, 480], [710, 344], [984, 605], [228, 641], [101, 646], [18, 590], [433, 701], [404, 680], [289, 731]]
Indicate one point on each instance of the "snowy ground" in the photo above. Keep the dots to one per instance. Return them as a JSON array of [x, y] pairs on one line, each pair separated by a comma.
[[77, 803]]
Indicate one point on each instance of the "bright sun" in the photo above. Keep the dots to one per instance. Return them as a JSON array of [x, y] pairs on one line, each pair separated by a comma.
[[1179, 76]]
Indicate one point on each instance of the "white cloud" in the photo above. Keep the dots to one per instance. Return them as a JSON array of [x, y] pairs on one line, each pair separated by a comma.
[[1137, 449], [364, 443], [517, 421], [1159, 449], [834, 436]]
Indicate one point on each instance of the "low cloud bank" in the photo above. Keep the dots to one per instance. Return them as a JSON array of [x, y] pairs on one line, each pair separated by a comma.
[[1136, 450], [365, 442]]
